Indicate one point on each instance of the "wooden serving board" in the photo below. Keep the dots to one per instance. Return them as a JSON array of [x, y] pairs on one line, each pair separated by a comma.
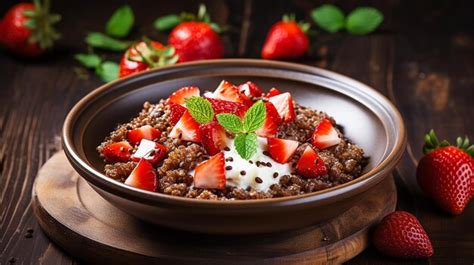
[[86, 226]]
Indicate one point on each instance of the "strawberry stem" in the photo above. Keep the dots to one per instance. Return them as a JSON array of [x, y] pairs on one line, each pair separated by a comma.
[[432, 143]]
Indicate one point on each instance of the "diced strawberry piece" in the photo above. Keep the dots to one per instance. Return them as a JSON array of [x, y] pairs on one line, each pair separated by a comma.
[[117, 152], [273, 92], [227, 91], [224, 106], [250, 89], [272, 121], [180, 95], [210, 174], [143, 176], [145, 132], [213, 137], [325, 135], [281, 149], [186, 129], [151, 151], [176, 112], [310, 164], [284, 105]]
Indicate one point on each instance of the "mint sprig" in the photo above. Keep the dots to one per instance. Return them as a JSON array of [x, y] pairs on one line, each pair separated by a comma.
[[121, 22], [200, 109], [245, 141], [106, 70]]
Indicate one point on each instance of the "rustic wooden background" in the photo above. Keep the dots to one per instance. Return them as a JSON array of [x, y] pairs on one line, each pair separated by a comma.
[[422, 58]]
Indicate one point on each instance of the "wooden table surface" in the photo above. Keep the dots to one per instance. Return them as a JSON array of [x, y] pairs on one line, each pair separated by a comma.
[[422, 58]]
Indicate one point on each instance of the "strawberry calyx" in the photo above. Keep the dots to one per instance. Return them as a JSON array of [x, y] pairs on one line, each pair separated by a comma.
[[152, 55], [170, 21], [304, 26], [41, 22], [432, 143]]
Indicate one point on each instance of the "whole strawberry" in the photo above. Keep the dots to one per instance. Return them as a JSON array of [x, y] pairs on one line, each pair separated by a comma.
[[286, 40], [446, 173], [26, 29], [401, 235]]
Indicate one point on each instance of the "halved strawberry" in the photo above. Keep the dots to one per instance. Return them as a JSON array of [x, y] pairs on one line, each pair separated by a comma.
[[176, 112], [272, 121], [151, 151], [284, 105], [228, 91], [272, 92], [281, 149], [181, 94], [117, 152], [186, 128], [213, 137], [310, 164], [145, 132], [210, 174], [224, 106], [250, 89], [325, 135], [143, 176]]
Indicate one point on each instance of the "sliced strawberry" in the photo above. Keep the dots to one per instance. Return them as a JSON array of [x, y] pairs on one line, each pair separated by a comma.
[[272, 121], [186, 128], [228, 91], [145, 132], [224, 106], [176, 112], [281, 149], [250, 89], [273, 92], [117, 152], [210, 173], [181, 94], [325, 135], [284, 105], [310, 164], [143, 176], [151, 151], [213, 137]]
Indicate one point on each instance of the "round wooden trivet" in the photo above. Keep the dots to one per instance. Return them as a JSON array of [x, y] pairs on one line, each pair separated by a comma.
[[89, 228]]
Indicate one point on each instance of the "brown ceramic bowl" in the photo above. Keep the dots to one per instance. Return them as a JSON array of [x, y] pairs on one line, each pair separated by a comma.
[[368, 118]]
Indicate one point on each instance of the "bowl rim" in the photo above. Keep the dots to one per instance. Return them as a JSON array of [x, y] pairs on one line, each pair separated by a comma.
[[338, 192]]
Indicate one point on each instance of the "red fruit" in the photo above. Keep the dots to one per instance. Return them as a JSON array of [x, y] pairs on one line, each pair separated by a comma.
[[250, 89], [176, 112], [285, 40], [26, 29], [272, 121], [310, 165], [196, 41], [446, 174], [224, 106], [145, 55], [145, 132], [180, 95], [401, 235], [227, 91], [186, 129], [210, 173], [284, 105], [272, 92], [150, 151], [117, 152], [325, 135], [143, 176], [213, 137], [281, 149]]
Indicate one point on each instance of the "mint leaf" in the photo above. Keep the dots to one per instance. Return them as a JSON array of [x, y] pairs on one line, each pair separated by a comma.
[[121, 22], [254, 117], [230, 122], [363, 20], [107, 71], [102, 41], [246, 145], [328, 17], [200, 109], [166, 22], [88, 60]]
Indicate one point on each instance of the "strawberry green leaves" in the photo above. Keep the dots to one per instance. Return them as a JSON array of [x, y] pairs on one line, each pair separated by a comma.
[[200, 109], [120, 23], [362, 20]]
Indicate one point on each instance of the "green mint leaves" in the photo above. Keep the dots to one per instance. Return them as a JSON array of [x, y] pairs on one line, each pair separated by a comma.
[[102, 41], [245, 141], [200, 109], [120, 23], [167, 22], [107, 70], [362, 20]]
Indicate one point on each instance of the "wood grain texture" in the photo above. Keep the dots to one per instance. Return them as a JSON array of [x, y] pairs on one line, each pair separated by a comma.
[[424, 48], [87, 226]]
